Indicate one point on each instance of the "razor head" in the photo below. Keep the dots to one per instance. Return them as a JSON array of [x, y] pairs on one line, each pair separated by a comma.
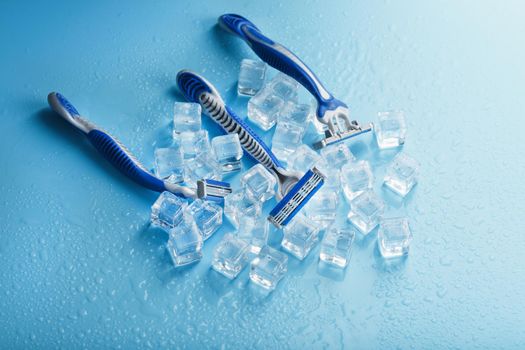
[[296, 198], [214, 190], [331, 137]]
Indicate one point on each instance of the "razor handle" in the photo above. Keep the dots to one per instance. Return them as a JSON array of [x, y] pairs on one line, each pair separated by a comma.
[[282, 59]]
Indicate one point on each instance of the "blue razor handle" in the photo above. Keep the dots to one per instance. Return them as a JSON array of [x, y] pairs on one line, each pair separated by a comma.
[[198, 90], [119, 156], [294, 189], [283, 60]]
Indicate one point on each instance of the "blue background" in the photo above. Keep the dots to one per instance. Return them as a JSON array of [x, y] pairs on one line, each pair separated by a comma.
[[79, 266]]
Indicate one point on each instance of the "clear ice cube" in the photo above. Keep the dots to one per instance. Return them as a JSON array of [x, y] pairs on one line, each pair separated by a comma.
[[366, 211], [186, 117], [337, 155], [258, 183], [237, 206], [255, 232], [299, 114], [336, 247], [402, 174], [356, 177], [303, 159], [300, 236], [203, 166], [394, 237], [167, 211], [322, 207], [251, 77], [285, 87], [207, 215], [185, 243], [169, 164], [286, 139], [332, 180], [268, 268], [230, 256], [192, 143], [228, 152], [264, 108], [390, 130]]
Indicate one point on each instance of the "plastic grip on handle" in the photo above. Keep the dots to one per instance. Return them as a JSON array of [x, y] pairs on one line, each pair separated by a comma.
[[116, 155], [280, 58], [66, 104], [255, 138], [233, 24], [192, 86]]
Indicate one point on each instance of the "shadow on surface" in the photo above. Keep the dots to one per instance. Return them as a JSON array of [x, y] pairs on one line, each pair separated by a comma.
[[332, 272], [229, 44], [359, 149], [363, 241], [174, 93], [299, 267], [257, 295], [389, 265], [219, 284]]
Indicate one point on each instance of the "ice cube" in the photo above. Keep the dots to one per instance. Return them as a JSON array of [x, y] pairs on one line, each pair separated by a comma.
[[230, 256], [337, 155], [207, 215], [402, 174], [356, 177], [255, 232], [336, 247], [394, 237], [366, 211], [299, 114], [332, 180], [237, 205], [187, 117], [300, 236], [264, 108], [251, 77], [185, 243], [167, 210], [286, 139], [303, 159], [228, 152], [390, 130], [203, 166], [268, 268], [284, 86], [258, 183], [192, 143], [322, 207], [169, 164]]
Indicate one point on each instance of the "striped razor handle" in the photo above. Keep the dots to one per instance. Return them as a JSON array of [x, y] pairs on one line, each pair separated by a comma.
[[199, 90]]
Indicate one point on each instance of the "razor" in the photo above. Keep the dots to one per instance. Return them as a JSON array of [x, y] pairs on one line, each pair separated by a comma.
[[121, 158], [294, 190], [331, 112]]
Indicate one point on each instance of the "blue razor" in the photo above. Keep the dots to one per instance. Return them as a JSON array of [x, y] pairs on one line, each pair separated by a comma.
[[333, 113], [294, 190], [126, 163]]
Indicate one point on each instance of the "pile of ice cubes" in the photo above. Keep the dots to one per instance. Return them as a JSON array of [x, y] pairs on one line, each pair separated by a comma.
[[192, 157]]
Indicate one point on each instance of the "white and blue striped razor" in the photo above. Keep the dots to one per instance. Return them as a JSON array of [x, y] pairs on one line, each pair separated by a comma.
[[294, 190], [333, 113], [126, 163]]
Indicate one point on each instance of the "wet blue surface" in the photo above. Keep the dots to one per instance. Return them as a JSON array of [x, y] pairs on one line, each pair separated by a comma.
[[80, 268]]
